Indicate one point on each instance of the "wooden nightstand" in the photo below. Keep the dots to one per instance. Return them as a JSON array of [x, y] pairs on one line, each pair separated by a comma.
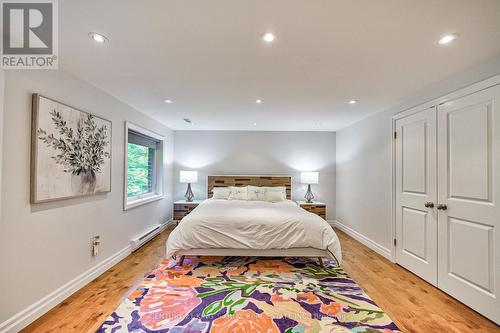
[[182, 208], [316, 207]]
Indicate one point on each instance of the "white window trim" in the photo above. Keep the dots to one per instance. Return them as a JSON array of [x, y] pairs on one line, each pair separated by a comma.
[[158, 192]]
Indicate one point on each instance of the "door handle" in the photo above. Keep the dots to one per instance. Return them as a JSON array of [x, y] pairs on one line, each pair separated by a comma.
[[442, 207], [429, 204]]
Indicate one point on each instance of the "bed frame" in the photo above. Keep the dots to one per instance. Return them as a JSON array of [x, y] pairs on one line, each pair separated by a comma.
[[236, 180], [308, 252], [269, 181]]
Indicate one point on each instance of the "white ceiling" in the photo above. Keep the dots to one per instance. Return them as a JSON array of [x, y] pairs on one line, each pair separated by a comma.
[[208, 58]]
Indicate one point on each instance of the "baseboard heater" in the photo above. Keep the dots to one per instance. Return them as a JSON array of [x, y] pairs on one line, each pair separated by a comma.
[[136, 243]]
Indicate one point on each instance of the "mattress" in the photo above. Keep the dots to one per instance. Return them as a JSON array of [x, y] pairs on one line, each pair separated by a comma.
[[242, 224]]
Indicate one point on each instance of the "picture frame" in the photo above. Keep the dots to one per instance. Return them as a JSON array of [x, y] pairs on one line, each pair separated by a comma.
[[70, 152]]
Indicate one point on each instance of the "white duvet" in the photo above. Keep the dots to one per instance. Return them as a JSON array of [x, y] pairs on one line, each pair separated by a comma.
[[240, 224]]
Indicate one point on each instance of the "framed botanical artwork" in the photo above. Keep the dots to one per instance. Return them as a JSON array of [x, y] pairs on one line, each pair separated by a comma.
[[70, 152]]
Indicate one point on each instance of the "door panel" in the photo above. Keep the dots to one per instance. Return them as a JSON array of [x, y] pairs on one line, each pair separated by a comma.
[[414, 157], [469, 185], [474, 265], [414, 227], [470, 155], [416, 231]]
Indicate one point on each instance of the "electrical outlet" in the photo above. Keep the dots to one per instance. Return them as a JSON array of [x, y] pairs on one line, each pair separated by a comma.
[[95, 242]]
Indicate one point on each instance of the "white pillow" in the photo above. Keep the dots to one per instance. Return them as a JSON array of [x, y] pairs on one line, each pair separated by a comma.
[[238, 193], [276, 193], [256, 193], [221, 193], [281, 189]]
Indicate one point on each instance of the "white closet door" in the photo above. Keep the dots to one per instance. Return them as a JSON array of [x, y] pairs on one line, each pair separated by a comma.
[[469, 186], [416, 229]]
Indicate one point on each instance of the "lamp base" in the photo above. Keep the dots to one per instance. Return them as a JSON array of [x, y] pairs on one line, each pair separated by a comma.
[[189, 193], [309, 195]]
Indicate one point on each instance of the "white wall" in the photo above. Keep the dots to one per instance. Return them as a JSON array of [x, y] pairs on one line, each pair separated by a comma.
[[2, 101], [364, 178], [44, 246], [364, 160], [258, 153]]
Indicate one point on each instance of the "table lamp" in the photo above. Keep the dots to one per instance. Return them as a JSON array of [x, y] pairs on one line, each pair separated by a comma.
[[188, 177], [309, 178]]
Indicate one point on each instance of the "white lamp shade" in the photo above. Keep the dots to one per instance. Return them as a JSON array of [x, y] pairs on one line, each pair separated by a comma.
[[309, 177], [188, 177]]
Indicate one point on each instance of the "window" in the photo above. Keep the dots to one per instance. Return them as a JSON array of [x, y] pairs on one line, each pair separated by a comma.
[[144, 153]]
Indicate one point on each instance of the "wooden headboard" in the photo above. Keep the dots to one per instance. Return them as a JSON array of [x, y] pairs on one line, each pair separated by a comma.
[[224, 181]]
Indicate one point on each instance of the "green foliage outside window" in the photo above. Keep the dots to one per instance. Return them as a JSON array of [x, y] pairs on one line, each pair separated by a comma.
[[140, 160]]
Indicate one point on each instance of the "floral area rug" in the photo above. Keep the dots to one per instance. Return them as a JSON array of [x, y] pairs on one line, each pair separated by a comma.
[[235, 294]]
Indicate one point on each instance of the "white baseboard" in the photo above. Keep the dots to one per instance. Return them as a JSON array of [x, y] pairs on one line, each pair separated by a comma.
[[383, 251], [37, 309], [166, 224]]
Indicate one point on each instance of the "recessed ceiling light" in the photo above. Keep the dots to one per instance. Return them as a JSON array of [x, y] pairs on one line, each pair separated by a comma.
[[446, 39], [268, 37], [259, 101], [353, 101], [255, 124], [168, 101], [98, 37]]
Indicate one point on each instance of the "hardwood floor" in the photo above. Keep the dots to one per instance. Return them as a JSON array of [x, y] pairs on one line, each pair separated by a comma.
[[412, 303]]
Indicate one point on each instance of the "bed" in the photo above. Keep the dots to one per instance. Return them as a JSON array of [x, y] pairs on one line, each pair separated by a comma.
[[220, 227]]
